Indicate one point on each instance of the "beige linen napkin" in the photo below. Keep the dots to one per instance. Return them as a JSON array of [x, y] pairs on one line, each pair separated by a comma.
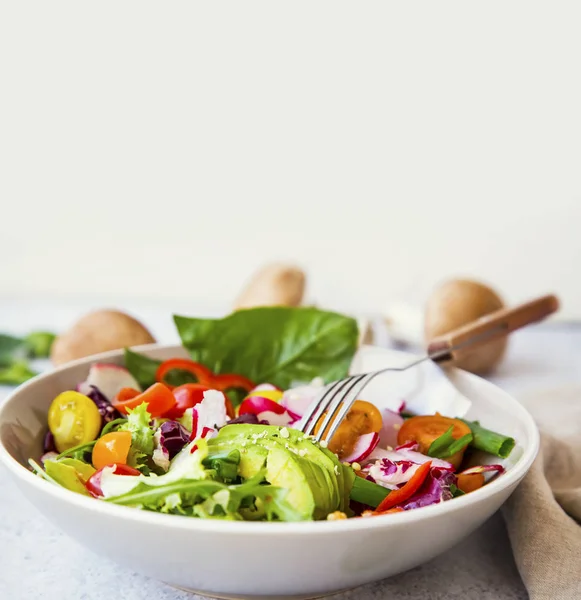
[[543, 516]]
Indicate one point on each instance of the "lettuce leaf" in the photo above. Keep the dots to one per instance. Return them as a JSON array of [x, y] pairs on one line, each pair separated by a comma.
[[279, 345], [138, 424]]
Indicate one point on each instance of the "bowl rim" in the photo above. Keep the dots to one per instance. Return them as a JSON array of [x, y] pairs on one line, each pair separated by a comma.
[[510, 477]]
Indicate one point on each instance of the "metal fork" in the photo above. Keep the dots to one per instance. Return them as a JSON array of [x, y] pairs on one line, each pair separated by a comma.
[[337, 397]]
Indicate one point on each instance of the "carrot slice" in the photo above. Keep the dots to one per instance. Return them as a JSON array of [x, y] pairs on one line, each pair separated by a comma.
[[425, 429], [470, 482], [362, 418], [406, 491]]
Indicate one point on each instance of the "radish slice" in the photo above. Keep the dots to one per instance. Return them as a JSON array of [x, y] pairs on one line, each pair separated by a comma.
[[405, 454], [392, 421], [267, 410], [364, 446], [298, 399], [110, 379], [483, 469], [262, 387], [209, 415]]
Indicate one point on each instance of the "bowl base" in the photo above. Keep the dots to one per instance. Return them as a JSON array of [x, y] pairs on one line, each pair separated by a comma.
[[229, 597]]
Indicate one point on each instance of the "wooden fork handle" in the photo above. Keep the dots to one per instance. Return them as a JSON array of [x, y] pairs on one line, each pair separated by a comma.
[[459, 342]]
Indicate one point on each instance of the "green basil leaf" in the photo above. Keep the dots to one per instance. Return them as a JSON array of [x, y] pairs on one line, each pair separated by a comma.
[[279, 345]]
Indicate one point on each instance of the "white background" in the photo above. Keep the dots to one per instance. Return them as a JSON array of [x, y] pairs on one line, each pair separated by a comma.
[[159, 152]]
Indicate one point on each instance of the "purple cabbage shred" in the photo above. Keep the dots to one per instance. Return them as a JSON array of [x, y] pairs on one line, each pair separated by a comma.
[[173, 437]]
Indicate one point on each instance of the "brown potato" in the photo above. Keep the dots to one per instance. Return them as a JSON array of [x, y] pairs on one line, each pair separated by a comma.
[[97, 332], [456, 303], [273, 285]]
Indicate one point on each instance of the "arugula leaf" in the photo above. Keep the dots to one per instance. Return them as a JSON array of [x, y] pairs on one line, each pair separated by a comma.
[[137, 423], [78, 452], [113, 426], [16, 373], [144, 368], [446, 445], [224, 464], [208, 498], [275, 344]]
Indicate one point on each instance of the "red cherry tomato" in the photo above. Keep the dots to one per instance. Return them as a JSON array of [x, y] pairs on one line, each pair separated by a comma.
[[94, 483], [158, 398]]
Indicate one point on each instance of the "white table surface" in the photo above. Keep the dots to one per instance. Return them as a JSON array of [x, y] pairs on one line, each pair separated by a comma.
[[37, 561]]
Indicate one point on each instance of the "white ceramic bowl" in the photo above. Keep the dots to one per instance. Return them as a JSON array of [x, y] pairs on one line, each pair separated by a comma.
[[268, 560]]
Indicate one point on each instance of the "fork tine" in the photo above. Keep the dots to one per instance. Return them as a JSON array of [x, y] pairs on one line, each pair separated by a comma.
[[310, 418], [335, 404], [348, 400]]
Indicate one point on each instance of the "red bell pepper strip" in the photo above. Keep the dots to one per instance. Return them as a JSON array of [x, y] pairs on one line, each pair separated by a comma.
[[229, 381], [202, 374], [158, 398], [406, 491]]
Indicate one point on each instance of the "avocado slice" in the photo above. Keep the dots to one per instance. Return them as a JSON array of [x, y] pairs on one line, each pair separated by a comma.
[[321, 466], [252, 457], [288, 471]]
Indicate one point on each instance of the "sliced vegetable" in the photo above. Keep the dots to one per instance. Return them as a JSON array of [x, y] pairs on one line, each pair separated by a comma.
[[402, 494], [362, 418], [490, 441], [93, 485], [426, 429], [73, 419], [209, 415], [484, 469], [368, 493], [158, 398], [169, 439], [200, 373], [436, 488], [112, 448], [446, 446], [66, 475], [138, 423], [190, 394], [267, 410], [106, 409], [110, 379], [469, 483], [275, 344], [364, 446]]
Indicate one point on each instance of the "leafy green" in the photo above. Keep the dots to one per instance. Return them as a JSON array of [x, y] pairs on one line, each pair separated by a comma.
[[456, 491], [16, 373], [208, 498], [38, 344], [224, 464], [113, 425], [138, 424], [10, 349], [275, 344], [78, 452], [446, 445], [144, 368]]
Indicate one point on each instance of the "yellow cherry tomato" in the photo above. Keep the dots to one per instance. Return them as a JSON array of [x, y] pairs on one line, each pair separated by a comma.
[[73, 419]]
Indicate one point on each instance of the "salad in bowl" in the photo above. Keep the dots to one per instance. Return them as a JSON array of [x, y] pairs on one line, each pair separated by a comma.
[[219, 435]]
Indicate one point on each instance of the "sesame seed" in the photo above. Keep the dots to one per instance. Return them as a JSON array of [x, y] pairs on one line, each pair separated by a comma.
[[356, 466], [397, 426], [323, 444], [302, 452], [284, 433], [389, 448], [336, 469]]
